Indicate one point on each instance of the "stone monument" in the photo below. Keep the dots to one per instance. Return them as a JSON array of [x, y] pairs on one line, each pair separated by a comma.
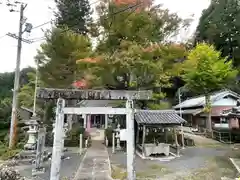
[[38, 169]]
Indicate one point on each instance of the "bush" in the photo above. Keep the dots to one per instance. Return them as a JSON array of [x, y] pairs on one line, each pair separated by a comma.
[[108, 134], [7, 173], [9, 154], [72, 139], [49, 138], [6, 153]]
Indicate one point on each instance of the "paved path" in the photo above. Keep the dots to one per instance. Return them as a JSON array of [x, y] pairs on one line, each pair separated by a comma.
[[95, 164]]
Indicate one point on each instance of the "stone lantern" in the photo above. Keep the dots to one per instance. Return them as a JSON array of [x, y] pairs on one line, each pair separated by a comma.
[[118, 137], [32, 133]]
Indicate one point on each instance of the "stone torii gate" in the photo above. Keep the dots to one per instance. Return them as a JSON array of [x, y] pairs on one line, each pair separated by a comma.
[[72, 94]]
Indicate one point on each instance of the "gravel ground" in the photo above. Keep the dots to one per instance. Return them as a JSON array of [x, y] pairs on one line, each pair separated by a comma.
[[68, 167], [195, 162]]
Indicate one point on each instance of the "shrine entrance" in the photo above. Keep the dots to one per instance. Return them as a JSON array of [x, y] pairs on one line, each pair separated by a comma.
[[71, 94], [96, 124]]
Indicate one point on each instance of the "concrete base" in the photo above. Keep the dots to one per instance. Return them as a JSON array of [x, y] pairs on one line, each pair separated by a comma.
[[30, 146], [36, 172], [168, 158]]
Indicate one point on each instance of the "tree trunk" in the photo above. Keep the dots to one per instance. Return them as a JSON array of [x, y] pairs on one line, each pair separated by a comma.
[[208, 111]]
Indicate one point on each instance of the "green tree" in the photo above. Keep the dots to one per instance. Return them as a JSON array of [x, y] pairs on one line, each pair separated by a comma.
[[219, 25], [26, 94], [73, 14], [141, 26], [136, 56], [206, 71], [57, 57], [6, 84]]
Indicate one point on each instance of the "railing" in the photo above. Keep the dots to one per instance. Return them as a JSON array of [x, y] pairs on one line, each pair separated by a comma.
[[221, 125], [224, 137]]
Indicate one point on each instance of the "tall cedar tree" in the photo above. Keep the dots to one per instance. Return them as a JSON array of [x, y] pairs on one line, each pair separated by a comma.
[[220, 25], [57, 57], [73, 14]]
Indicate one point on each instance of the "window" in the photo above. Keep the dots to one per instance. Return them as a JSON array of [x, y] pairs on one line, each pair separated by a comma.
[[223, 121]]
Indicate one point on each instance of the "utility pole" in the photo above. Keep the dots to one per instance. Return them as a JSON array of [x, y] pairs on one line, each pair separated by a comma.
[[179, 101], [35, 91], [13, 129], [180, 112]]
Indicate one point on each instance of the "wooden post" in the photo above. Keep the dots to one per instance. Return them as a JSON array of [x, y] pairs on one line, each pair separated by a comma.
[[137, 138], [143, 139], [176, 141], [230, 137], [183, 144], [80, 144], [165, 134], [113, 142], [57, 145]]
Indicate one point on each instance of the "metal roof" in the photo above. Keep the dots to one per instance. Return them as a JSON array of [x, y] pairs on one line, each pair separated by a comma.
[[158, 117], [200, 101], [190, 111]]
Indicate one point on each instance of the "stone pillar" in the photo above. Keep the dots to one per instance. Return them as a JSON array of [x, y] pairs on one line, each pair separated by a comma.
[[84, 116], [131, 173], [106, 121], [88, 122], [118, 137], [38, 169], [58, 141], [70, 121]]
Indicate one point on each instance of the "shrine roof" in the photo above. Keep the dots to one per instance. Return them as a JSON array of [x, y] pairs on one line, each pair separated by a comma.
[[199, 101], [167, 117]]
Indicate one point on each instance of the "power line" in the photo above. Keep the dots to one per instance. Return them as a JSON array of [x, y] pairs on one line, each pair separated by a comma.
[[45, 23], [53, 20], [112, 14], [3, 36], [40, 25]]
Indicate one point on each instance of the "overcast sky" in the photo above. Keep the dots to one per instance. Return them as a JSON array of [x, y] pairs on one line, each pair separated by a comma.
[[38, 12]]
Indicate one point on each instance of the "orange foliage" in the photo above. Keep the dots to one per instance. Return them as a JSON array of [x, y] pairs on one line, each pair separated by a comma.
[[151, 48], [80, 84], [145, 3], [89, 60]]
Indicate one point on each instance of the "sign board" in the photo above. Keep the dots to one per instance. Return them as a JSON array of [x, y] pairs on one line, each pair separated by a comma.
[[50, 93], [123, 135]]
